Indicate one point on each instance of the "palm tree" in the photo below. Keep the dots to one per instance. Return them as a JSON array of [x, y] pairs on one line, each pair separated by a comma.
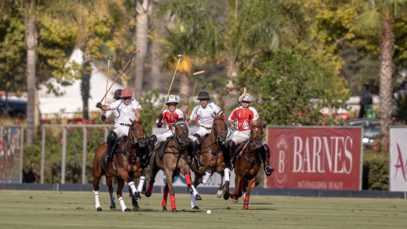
[[143, 9], [31, 40], [380, 15]]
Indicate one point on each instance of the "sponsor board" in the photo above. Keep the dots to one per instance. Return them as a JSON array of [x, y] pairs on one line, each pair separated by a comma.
[[315, 158], [398, 159]]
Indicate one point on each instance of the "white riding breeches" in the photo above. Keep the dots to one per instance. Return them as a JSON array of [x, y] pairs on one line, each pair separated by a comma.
[[121, 131], [163, 136], [239, 136]]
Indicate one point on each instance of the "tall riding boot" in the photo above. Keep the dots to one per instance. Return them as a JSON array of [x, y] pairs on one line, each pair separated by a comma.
[[150, 147], [151, 143], [111, 139], [197, 154], [232, 149], [265, 156]]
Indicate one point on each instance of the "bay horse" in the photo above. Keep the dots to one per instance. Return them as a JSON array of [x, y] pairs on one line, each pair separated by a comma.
[[211, 154], [173, 161], [247, 163], [125, 166]]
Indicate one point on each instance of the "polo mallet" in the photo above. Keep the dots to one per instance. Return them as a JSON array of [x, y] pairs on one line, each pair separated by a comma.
[[109, 58], [173, 77], [193, 91], [118, 75]]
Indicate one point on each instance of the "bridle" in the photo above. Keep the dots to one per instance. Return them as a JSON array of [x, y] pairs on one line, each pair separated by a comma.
[[137, 142], [220, 136], [180, 138], [256, 135]]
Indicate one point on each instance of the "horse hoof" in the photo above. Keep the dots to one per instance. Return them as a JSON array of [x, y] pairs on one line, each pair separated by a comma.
[[219, 194], [195, 207], [147, 194], [165, 209], [136, 209], [226, 195], [127, 210], [174, 210], [198, 197], [99, 209]]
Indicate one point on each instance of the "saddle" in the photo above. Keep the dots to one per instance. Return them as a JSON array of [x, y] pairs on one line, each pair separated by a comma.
[[239, 150], [161, 147], [118, 142]]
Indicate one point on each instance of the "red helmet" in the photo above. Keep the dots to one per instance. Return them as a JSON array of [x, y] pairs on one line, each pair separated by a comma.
[[126, 93]]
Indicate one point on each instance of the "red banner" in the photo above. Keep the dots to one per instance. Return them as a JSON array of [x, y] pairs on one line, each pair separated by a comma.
[[315, 158]]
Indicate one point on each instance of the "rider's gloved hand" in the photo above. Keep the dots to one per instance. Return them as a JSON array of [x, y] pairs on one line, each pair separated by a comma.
[[99, 105], [103, 117], [159, 121]]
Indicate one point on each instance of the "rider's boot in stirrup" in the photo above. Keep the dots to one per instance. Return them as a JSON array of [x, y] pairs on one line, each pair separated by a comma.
[[197, 153], [111, 139], [265, 156]]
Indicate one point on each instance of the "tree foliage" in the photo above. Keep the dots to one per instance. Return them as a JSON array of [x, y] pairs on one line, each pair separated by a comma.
[[290, 87]]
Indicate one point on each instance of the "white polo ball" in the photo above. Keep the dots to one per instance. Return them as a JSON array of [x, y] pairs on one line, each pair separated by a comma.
[[208, 212]]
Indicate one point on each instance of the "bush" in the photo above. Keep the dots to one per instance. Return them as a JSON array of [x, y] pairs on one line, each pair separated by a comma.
[[375, 171]]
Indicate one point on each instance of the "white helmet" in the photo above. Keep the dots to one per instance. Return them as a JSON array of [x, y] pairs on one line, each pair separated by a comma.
[[172, 99], [245, 98]]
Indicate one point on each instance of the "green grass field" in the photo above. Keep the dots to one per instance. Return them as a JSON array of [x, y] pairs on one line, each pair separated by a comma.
[[52, 209]]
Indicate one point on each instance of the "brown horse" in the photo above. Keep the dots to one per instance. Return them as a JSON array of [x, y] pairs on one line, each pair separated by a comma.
[[125, 166], [211, 154], [172, 162], [247, 163]]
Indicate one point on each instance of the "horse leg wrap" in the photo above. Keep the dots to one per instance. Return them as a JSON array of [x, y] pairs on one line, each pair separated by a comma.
[[227, 174], [97, 202], [141, 183], [165, 196], [133, 188], [172, 198], [122, 204], [206, 177], [188, 179], [246, 202], [193, 201]]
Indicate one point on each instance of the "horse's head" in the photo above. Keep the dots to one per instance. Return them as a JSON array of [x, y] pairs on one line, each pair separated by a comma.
[[181, 133], [219, 127], [256, 134], [136, 134]]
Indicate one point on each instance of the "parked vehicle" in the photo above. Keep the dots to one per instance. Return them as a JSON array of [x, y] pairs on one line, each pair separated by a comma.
[[13, 107], [371, 130]]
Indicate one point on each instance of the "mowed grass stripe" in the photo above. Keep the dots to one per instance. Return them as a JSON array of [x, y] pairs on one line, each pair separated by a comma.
[[52, 209]]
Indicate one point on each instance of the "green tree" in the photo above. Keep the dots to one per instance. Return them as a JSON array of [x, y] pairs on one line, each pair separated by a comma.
[[227, 32], [290, 87], [43, 56], [380, 15]]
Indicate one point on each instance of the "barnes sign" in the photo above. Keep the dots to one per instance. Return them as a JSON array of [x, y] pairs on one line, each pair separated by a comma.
[[315, 158]]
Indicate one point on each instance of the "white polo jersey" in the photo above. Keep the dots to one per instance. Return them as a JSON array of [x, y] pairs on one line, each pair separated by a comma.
[[204, 115], [124, 114]]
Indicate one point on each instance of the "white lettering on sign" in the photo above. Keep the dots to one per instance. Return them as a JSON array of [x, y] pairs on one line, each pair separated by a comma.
[[318, 154]]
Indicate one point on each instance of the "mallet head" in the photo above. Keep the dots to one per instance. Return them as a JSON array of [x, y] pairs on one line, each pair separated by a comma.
[[198, 73]]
